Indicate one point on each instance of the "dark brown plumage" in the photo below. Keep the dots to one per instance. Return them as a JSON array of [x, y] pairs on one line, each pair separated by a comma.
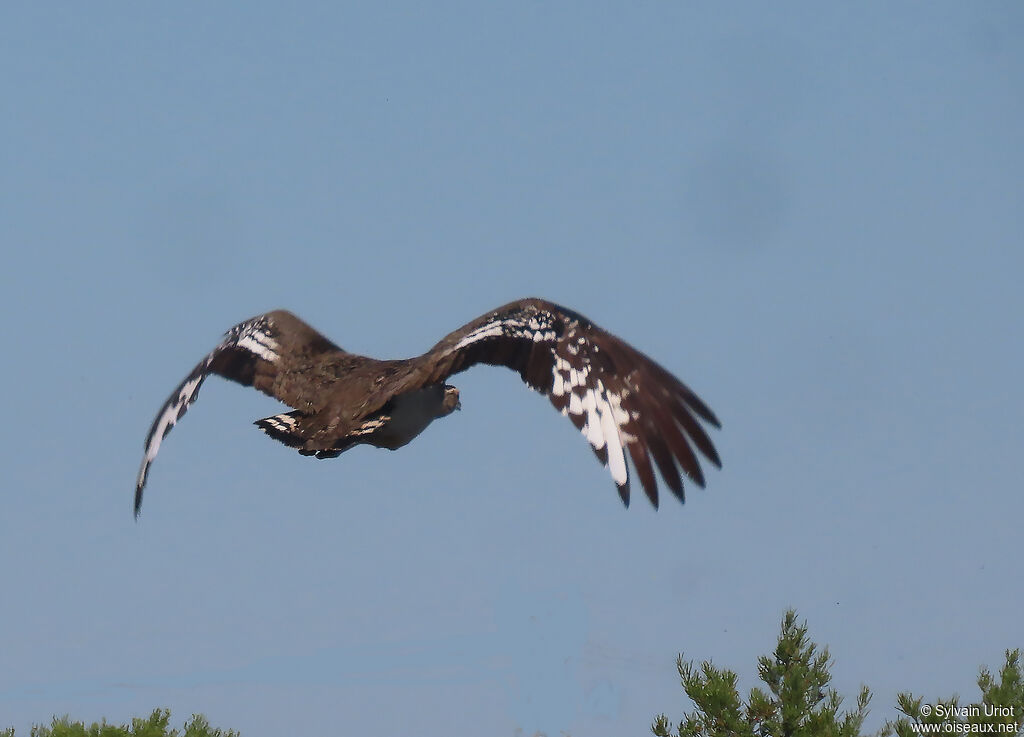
[[621, 400]]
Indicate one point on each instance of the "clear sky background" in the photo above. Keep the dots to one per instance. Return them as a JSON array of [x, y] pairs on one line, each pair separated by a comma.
[[812, 213]]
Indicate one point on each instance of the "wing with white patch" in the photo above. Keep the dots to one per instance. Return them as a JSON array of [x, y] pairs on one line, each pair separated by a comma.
[[621, 400], [274, 353]]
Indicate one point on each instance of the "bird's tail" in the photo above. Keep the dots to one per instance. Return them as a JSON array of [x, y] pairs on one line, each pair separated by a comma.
[[286, 428], [283, 428]]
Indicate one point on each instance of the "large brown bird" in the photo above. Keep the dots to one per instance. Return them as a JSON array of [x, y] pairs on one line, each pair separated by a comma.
[[616, 396]]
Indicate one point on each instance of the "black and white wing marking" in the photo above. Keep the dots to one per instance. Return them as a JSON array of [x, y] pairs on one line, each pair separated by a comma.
[[268, 352], [620, 399]]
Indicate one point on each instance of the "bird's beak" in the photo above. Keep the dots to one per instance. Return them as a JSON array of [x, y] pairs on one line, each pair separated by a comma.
[[458, 405]]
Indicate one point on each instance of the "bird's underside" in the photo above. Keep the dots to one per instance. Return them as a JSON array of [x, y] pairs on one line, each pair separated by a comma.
[[392, 426], [621, 400]]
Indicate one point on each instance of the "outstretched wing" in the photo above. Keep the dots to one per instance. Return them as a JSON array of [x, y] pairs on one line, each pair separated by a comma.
[[274, 353], [621, 400]]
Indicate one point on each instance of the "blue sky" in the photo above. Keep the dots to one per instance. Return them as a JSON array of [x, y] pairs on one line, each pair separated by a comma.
[[810, 213]]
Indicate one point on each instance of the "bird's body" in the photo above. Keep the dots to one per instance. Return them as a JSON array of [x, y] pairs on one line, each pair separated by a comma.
[[393, 426], [621, 400]]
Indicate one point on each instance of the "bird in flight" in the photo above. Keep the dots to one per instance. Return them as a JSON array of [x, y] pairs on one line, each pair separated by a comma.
[[621, 400]]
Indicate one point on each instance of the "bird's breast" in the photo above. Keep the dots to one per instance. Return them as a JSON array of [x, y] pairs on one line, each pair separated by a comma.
[[410, 414]]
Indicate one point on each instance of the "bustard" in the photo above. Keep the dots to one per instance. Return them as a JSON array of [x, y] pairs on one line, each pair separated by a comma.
[[621, 400]]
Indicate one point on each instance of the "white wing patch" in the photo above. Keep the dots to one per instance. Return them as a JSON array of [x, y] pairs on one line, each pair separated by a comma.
[[254, 336], [172, 412], [605, 419], [170, 415], [260, 344], [490, 330], [611, 429], [538, 327]]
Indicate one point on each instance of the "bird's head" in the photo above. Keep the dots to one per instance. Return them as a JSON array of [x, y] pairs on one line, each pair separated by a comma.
[[451, 402]]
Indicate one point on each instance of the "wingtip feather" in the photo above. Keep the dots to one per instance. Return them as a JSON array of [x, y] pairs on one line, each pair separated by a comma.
[[624, 494]]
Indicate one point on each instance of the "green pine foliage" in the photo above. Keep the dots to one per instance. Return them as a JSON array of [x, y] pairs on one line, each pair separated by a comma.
[[1001, 706], [157, 725], [798, 702]]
